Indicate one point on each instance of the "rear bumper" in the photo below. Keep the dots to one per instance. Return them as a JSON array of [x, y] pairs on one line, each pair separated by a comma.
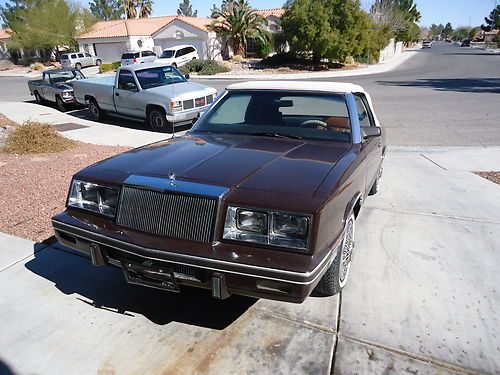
[[222, 277]]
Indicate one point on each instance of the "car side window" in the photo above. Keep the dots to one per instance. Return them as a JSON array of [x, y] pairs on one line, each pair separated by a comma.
[[149, 53], [125, 79], [364, 115], [80, 55], [190, 50], [73, 56], [87, 55], [179, 52]]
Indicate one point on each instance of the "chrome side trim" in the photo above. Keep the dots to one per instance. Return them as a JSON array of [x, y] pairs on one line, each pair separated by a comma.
[[208, 263]]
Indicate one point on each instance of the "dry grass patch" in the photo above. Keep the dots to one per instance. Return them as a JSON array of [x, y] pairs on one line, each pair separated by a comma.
[[35, 138]]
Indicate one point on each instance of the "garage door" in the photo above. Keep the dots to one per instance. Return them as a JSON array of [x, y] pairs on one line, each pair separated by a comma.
[[110, 52], [196, 43]]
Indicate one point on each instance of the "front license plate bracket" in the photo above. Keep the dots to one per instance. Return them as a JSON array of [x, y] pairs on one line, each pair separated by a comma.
[[146, 274]]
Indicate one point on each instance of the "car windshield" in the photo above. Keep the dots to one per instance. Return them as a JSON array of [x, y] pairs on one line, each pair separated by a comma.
[[65, 76], [159, 76], [127, 56], [167, 54], [297, 115]]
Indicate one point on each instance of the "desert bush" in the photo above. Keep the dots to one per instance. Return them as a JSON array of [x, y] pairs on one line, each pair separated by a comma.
[[35, 138], [349, 60], [204, 67], [105, 68], [237, 58], [264, 47], [37, 66]]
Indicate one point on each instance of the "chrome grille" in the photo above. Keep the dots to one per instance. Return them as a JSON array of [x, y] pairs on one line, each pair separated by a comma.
[[166, 214], [188, 104]]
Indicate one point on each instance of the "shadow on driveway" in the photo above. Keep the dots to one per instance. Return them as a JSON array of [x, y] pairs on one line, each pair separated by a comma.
[[105, 288], [474, 85]]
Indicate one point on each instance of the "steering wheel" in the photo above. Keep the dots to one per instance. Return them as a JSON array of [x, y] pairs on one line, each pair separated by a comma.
[[315, 123]]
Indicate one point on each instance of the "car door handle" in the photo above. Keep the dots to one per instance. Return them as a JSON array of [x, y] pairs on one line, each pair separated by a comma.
[[117, 94]]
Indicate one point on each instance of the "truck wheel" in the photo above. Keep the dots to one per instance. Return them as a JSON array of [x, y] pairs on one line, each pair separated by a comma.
[[95, 111], [335, 277], [60, 104], [376, 184], [98, 62], [39, 98], [158, 121], [174, 65], [78, 66]]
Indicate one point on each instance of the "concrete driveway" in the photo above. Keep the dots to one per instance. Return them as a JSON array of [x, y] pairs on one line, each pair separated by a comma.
[[423, 296]]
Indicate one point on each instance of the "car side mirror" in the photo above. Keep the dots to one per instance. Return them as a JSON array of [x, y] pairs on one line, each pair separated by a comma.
[[187, 76], [370, 131], [130, 86]]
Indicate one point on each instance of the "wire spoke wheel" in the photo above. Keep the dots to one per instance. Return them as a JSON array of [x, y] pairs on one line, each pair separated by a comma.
[[347, 250]]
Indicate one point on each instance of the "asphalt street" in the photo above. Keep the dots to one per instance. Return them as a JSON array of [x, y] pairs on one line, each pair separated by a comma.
[[440, 97]]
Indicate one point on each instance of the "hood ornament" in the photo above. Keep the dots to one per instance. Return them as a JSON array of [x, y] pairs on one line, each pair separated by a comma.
[[171, 177]]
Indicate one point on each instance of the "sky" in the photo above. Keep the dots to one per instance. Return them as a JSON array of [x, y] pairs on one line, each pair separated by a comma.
[[458, 12]]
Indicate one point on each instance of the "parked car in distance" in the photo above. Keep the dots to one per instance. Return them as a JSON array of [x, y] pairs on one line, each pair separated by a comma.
[[138, 57], [56, 86], [178, 56], [465, 43], [259, 198], [79, 60], [426, 44], [158, 93]]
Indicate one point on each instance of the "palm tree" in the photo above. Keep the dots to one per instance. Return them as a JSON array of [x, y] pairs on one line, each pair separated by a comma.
[[237, 22], [130, 8], [146, 8]]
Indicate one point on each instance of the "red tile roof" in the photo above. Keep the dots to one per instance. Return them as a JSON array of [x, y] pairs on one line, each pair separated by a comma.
[[4, 34], [276, 12], [140, 26]]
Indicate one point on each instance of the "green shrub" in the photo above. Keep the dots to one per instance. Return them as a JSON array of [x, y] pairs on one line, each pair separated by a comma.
[[105, 68], [204, 67], [264, 47]]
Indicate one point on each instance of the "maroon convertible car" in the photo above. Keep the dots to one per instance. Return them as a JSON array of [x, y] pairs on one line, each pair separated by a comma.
[[259, 198]]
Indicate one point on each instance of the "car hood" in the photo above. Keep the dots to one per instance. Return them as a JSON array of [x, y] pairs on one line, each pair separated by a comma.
[[250, 162], [182, 89]]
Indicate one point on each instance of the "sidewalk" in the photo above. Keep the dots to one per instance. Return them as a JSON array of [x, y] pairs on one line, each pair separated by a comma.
[[382, 67], [85, 130]]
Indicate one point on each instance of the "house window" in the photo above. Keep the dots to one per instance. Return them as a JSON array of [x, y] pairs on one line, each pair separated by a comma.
[[86, 48], [251, 46]]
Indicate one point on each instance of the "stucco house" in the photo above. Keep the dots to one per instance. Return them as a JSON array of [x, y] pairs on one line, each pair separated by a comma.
[[4, 38], [109, 39]]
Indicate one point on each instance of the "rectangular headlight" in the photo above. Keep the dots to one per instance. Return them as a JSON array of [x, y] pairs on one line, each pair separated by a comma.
[[176, 105], [268, 227], [93, 197]]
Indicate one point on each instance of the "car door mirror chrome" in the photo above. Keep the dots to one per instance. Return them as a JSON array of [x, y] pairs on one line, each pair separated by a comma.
[[370, 131], [187, 76], [130, 86]]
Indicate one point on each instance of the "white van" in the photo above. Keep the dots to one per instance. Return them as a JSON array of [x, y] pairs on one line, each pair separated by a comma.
[[79, 60], [178, 55]]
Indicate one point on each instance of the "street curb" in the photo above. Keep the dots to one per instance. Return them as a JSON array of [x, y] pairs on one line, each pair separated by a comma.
[[372, 69]]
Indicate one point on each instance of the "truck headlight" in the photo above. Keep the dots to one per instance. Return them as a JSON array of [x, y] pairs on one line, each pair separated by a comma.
[[267, 227], [67, 95], [93, 197], [176, 105]]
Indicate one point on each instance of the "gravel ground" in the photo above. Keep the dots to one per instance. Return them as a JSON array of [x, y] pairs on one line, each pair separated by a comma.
[[34, 187], [492, 176]]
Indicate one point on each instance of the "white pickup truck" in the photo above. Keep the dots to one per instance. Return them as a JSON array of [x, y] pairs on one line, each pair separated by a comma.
[[158, 93]]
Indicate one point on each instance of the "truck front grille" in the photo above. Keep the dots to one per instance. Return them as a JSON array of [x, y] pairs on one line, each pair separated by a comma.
[[188, 104], [167, 214]]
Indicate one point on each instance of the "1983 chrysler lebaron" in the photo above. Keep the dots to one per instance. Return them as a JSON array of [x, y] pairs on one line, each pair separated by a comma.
[[259, 198]]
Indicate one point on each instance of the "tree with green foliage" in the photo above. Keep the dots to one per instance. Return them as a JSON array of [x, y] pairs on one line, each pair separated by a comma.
[[11, 12], [462, 32], [447, 31], [186, 9], [216, 10], [397, 17], [332, 29], [145, 8], [49, 25], [237, 23], [106, 10], [493, 21]]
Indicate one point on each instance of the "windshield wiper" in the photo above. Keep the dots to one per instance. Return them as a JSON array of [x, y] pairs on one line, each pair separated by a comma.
[[277, 135]]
